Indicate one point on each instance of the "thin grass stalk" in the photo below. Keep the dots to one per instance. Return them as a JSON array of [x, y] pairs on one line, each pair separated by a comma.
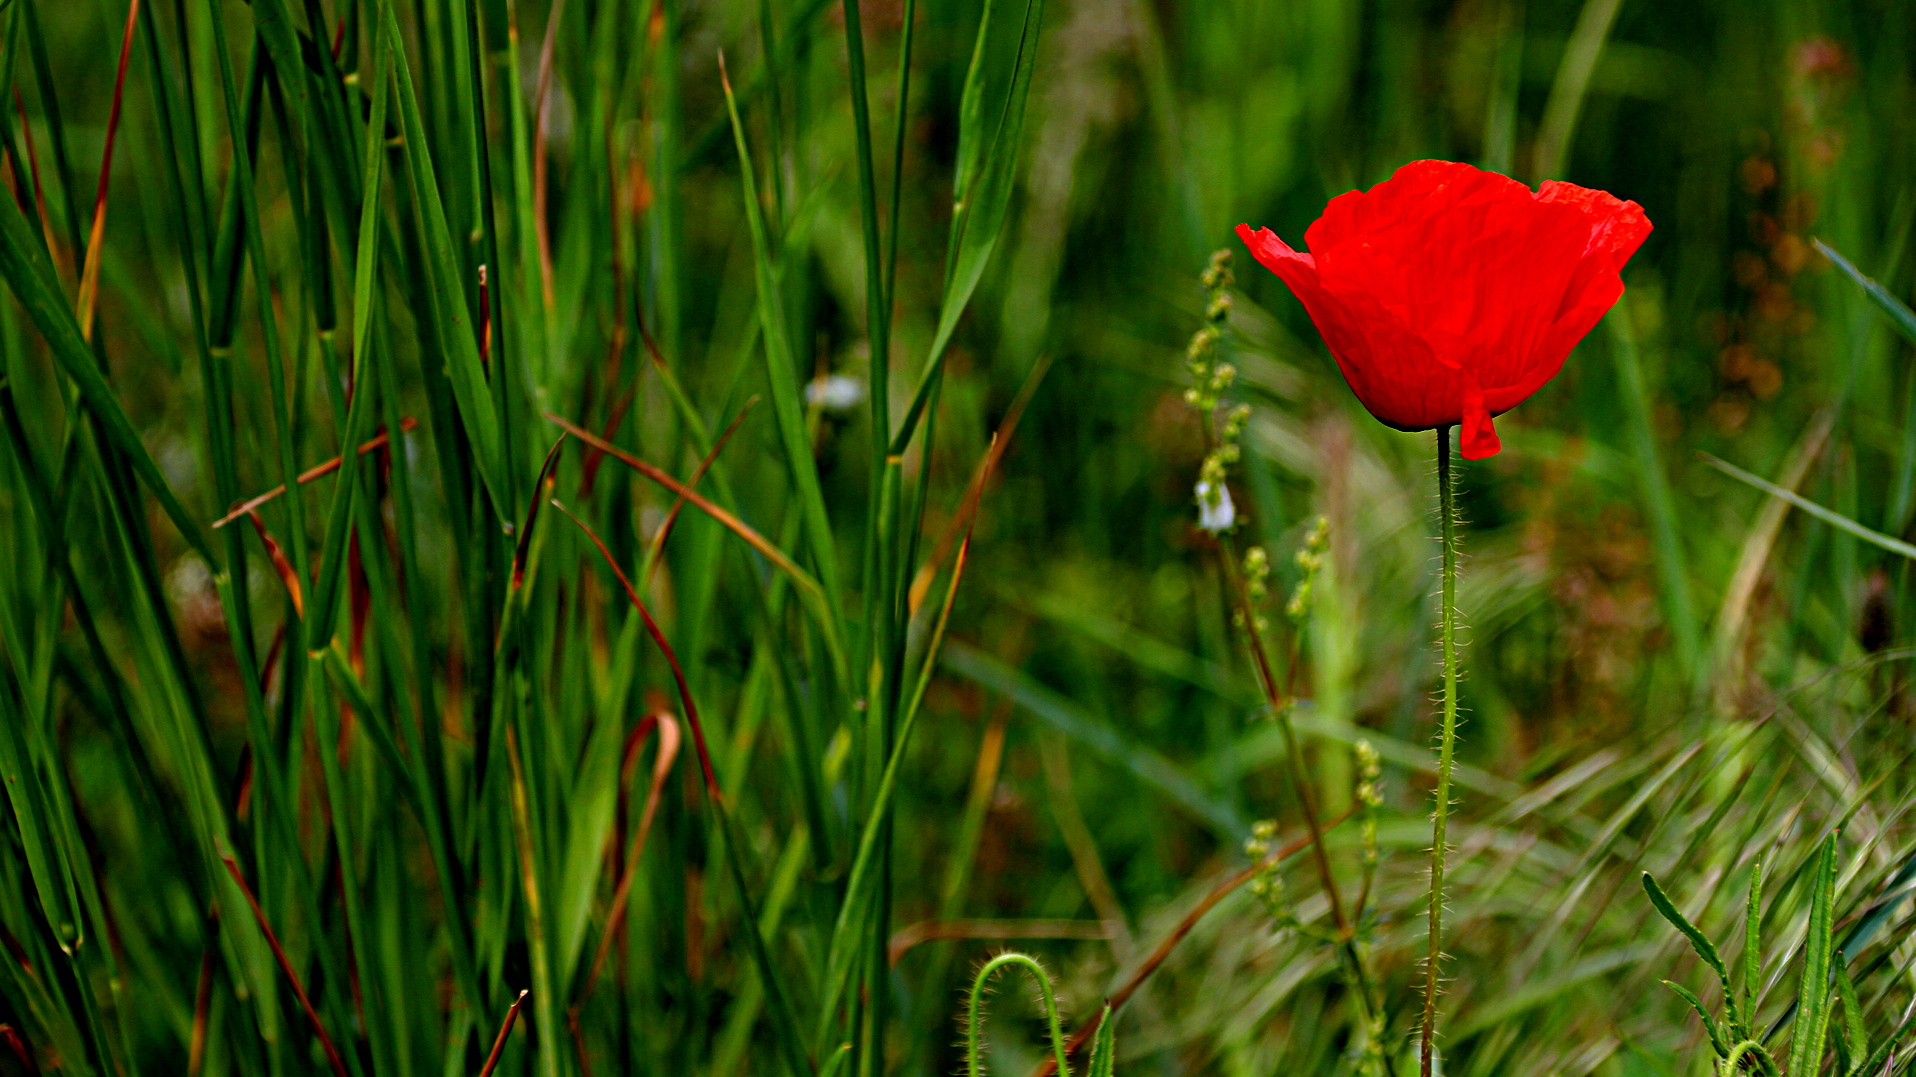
[[493, 326]]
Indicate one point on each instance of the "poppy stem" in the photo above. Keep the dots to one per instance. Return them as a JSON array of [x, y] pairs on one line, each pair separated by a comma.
[[1446, 508]]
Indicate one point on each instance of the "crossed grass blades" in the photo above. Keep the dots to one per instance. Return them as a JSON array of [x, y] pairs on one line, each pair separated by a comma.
[[395, 775]]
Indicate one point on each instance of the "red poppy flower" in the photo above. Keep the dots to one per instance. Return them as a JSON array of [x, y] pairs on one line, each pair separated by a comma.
[[1449, 294]]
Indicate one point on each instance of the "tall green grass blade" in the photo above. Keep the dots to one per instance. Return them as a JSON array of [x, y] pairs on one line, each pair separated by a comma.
[[320, 625], [1899, 315], [24, 262], [444, 283], [1855, 1036], [1835, 519], [1673, 563], [991, 116], [775, 332], [47, 865], [851, 932], [1066, 717], [1816, 986]]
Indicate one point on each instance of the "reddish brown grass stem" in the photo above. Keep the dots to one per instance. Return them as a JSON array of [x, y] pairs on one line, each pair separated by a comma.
[[505, 1029], [90, 274], [286, 966], [406, 426]]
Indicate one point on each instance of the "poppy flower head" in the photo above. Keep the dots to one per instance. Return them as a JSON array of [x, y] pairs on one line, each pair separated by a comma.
[[1449, 294]]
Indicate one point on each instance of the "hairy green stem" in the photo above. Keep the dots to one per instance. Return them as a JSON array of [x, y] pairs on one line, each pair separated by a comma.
[[1447, 525], [974, 1014]]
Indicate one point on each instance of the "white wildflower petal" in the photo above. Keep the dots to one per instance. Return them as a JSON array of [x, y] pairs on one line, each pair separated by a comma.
[[835, 392], [1216, 514]]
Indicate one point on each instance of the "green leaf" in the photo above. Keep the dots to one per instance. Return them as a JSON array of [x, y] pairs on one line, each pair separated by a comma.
[[339, 518], [1699, 942], [1855, 1036], [850, 933], [1813, 998], [1709, 1023], [1752, 946], [1877, 1057], [1104, 1048]]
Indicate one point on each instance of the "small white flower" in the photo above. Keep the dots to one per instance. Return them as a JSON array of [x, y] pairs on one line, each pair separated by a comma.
[[1216, 514], [835, 392]]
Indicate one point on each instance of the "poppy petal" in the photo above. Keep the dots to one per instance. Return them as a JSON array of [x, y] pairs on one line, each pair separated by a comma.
[[1479, 437], [1449, 294]]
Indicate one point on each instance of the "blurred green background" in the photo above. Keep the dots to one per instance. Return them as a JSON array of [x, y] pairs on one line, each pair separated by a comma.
[[1665, 669]]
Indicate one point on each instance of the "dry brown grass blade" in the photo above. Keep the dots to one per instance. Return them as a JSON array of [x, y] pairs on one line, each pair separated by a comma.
[[732, 523], [668, 731], [672, 516], [90, 274], [539, 490], [19, 1048], [406, 426], [1732, 619], [671, 658], [280, 565], [1176, 935], [286, 967], [589, 467], [975, 489], [911, 935], [541, 109], [505, 1029], [202, 1009], [62, 258]]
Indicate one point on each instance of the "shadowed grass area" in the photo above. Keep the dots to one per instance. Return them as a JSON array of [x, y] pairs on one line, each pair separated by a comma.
[[735, 564]]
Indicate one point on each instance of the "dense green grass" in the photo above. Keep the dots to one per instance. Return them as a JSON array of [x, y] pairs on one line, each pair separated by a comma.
[[950, 664]]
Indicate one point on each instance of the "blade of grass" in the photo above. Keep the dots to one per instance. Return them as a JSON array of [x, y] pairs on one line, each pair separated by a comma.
[[23, 261], [407, 425], [286, 966], [809, 589], [505, 1030], [1834, 519], [90, 274], [988, 143], [797, 1063], [776, 333]]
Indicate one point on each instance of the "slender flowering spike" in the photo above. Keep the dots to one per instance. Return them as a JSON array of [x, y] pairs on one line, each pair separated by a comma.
[[1449, 294]]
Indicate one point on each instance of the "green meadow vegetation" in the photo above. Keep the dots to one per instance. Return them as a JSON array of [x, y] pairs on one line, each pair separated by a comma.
[[741, 610]]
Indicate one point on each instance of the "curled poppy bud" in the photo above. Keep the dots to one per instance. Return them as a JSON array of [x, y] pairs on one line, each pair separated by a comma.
[[1449, 294]]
